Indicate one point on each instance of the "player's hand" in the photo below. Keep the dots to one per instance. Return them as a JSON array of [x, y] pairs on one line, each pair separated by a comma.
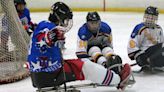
[[55, 35], [142, 60], [59, 34]]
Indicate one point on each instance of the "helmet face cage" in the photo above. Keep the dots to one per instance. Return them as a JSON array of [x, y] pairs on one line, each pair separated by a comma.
[[151, 16], [65, 23], [150, 20], [62, 15], [94, 26], [93, 22]]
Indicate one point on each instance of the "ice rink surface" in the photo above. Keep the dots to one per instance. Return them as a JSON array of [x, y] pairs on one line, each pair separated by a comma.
[[122, 25]]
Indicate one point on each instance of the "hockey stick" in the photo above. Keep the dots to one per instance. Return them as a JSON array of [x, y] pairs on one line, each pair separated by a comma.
[[134, 64], [64, 76]]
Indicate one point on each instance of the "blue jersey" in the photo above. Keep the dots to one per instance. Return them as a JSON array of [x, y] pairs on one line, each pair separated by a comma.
[[42, 57], [86, 39], [85, 34], [25, 17]]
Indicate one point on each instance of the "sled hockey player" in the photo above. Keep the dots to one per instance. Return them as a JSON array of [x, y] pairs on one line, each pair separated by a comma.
[[146, 42], [45, 57], [95, 41], [24, 15]]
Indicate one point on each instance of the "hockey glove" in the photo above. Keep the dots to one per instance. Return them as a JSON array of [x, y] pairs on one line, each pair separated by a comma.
[[33, 26], [142, 60], [55, 36], [114, 63]]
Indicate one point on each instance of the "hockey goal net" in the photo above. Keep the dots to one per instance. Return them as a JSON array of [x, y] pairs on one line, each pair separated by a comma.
[[13, 44]]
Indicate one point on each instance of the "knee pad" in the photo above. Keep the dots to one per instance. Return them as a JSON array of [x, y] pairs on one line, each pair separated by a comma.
[[95, 53], [107, 52], [114, 63]]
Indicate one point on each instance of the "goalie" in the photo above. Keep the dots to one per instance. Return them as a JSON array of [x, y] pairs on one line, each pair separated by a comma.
[[146, 41], [45, 55]]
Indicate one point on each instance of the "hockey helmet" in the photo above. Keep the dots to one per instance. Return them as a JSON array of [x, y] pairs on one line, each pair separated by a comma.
[[151, 16], [93, 16], [93, 22], [61, 15], [19, 2]]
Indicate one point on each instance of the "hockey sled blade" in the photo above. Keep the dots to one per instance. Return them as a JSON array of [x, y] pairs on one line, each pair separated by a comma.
[[70, 88], [128, 82]]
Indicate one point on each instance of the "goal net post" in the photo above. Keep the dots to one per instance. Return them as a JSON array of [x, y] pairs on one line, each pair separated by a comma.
[[13, 44]]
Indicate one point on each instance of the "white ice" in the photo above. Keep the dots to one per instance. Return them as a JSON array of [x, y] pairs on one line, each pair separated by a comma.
[[122, 25]]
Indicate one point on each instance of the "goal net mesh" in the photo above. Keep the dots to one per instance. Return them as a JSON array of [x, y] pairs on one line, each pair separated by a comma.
[[13, 44]]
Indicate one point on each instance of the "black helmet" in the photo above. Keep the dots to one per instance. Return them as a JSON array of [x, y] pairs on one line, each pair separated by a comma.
[[61, 15], [93, 16], [152, 11], [60, 12], [19, 2]]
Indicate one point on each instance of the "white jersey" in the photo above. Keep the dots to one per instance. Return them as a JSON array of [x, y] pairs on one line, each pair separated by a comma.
[[142, 38]]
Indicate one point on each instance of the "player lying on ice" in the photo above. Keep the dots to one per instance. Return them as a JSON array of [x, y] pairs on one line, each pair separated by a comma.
[[45, 56], [146, 42]]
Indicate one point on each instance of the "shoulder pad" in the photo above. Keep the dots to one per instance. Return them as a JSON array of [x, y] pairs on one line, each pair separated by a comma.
[[44, 24], [83, 33], [105, 28], [137, 30]]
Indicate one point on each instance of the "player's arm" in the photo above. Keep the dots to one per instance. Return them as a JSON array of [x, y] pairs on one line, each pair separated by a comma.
[[161, 35], [107, 31], [81, 49], [50, 36], [135, 42], [107, 41], [31, 25]]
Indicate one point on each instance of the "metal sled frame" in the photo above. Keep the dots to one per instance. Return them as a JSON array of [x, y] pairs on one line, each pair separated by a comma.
[[130, 79], [48, 82], [75, 88], [71, 88]]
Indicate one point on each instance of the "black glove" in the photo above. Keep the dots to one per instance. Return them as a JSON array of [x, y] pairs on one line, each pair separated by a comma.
[[113, 60], [142, 60]]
